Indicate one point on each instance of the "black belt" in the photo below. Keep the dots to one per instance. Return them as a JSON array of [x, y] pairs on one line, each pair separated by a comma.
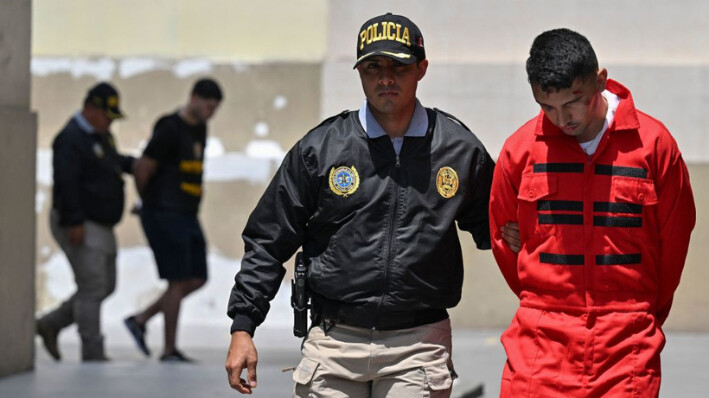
[[391, 320]]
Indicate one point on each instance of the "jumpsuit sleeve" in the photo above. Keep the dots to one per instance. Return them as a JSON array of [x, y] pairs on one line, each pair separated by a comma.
[[273, 233], [503, 209], [676, 216], [66, 161], [475, 214]]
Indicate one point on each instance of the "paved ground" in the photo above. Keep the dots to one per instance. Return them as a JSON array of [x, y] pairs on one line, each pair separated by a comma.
[[478, 358]]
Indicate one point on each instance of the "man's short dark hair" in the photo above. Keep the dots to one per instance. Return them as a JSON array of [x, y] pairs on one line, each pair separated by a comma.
[[208, 89], [558, 57]]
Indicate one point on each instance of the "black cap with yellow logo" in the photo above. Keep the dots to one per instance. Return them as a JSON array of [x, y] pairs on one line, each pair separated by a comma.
[[392, 36], [105, 97]]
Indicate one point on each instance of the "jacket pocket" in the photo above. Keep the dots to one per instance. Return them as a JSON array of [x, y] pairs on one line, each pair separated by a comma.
[[536, 186], [632, 197], [305, 371], [533, 190], [634, 190], [438, 377]]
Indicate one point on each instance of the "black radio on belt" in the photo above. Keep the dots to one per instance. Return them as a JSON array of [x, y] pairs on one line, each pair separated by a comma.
[[299, 298]]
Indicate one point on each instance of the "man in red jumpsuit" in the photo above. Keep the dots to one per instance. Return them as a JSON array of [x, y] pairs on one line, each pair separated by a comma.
[[604, 207]]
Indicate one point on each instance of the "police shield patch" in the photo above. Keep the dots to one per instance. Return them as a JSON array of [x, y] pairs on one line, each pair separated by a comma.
[[98, 150], [344, 180], [447, 182]]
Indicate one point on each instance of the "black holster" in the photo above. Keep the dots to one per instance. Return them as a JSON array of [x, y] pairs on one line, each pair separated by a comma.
[[299, 297]]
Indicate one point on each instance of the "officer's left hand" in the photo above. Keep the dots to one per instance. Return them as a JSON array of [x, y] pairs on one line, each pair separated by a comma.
[[510, 234]]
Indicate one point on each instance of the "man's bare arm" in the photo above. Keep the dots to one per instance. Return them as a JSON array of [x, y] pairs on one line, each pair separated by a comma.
[[143, 171]]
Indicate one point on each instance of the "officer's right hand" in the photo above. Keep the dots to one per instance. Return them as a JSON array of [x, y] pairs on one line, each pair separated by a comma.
[[242, 354], [76, 235]]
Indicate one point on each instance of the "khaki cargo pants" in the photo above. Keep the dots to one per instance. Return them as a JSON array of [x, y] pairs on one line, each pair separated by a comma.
[[94, 266], [351, 362]]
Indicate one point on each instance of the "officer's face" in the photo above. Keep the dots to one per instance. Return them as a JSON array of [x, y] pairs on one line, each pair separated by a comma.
[[390, 86], [104, 122], [580, 110], [97, 118]]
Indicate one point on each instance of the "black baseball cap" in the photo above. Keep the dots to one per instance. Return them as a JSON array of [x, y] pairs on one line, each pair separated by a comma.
[[105, 97], [393, 36]]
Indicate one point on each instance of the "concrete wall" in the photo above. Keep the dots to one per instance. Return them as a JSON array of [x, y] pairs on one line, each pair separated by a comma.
[[17, 162], [250, 31]]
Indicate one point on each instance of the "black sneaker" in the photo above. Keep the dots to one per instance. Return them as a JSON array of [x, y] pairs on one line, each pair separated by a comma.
[[176, 356], [49, 339], [138, 332]]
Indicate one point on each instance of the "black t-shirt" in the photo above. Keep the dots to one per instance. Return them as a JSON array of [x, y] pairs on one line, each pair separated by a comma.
[[179, 150]]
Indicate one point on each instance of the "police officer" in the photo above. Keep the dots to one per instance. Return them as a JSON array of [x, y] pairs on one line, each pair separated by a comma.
[[87, 202], [373, 196]]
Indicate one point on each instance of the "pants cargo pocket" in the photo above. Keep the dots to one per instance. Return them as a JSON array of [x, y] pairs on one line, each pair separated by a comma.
[[302, 376], [438, 377]]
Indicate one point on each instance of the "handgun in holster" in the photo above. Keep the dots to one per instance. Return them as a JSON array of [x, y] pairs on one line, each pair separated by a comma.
[[299, 297]]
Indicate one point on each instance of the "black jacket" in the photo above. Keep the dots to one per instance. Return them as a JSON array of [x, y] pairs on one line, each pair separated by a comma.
[[387, 244], [88, 184]]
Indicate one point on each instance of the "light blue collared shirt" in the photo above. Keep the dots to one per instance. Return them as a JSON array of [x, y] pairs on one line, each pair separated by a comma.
[[417, 128], [83, 123]]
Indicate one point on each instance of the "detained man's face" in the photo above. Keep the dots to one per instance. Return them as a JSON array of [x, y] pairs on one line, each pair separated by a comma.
[[203, 109], [389, 85], [580, 110]]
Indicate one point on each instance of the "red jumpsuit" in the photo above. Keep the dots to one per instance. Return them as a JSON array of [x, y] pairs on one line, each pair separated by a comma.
[[604, 240]]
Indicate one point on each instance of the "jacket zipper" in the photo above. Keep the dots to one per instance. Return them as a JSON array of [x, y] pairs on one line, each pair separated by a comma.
[[392, 228], [588, 227]]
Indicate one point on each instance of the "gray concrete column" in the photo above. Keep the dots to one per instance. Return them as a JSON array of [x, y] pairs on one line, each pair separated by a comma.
[[18, 137]]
